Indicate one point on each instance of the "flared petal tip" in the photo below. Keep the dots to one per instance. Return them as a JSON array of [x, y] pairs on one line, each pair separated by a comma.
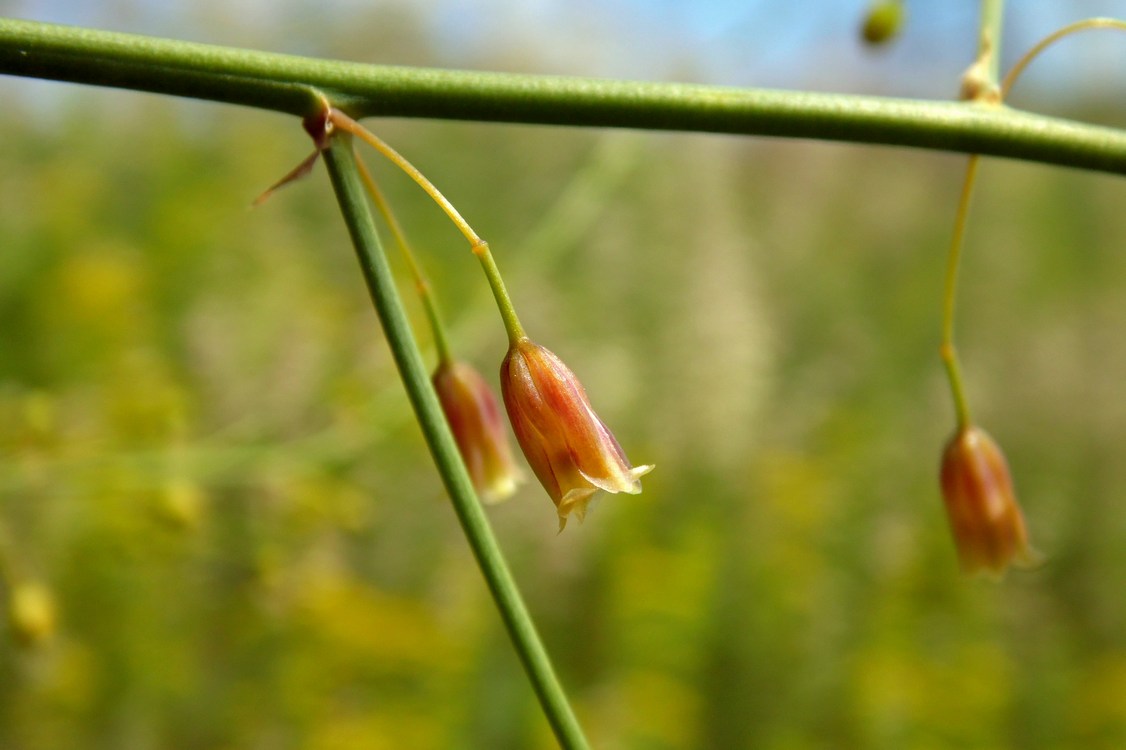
[[575, 502], [626, 480], [1027, 560], [637, 473]]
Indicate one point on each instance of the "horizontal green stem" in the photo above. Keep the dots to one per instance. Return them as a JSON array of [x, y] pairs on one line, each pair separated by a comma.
[[377, 273], [288, 84]]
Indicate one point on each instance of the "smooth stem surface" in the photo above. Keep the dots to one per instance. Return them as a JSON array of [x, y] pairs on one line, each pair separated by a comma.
[[479, 246], [1043, 44], [950, 290], [346, 123], [988, 61], [512, 324], [377, 273], [989, 49], [421, 283], [295, 84]]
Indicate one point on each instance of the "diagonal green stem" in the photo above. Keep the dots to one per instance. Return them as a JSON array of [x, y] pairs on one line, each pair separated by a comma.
[[377, 273], [290, 84]]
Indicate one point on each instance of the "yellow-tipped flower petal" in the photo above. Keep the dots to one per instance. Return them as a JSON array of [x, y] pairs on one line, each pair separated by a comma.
[[986, 521], [571, 451], [474, 416]]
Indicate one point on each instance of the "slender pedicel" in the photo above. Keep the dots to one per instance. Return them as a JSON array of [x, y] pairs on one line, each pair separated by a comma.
[[1084, 25], [946, 347], [421, 283]]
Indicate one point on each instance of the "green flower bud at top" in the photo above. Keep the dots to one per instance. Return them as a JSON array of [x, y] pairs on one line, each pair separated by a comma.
[[883, 22], [31, 613], [571, 451], [474, 416], [986, 522]]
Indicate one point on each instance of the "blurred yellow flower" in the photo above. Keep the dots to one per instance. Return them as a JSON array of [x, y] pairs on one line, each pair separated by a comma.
[[32, 613]]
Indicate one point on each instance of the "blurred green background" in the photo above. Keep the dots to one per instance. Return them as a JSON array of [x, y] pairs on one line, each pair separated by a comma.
[[207, 460]]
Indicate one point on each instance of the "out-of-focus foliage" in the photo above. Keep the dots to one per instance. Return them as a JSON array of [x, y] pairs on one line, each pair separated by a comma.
[[207, 458]]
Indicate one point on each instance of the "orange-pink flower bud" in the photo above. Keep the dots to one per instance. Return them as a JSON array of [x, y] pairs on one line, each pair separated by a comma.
[[571, 451], [986, 521], [474, 416]]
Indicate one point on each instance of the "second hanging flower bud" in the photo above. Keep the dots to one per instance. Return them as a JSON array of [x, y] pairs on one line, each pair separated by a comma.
[[474, 416], [571, 451]]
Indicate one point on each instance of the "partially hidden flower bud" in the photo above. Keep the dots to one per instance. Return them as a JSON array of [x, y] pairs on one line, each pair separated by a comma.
[[32, 614], [986, 522], [571, 451], [474, 416]]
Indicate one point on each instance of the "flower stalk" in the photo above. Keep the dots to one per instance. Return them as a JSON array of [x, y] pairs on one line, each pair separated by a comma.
[[421, 283], [1084, 25], [480, 248], [507, 310], [953, 259]]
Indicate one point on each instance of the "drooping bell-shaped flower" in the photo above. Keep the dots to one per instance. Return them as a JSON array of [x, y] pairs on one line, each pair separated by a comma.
[[986, 522], [474, 416], [571, 451]]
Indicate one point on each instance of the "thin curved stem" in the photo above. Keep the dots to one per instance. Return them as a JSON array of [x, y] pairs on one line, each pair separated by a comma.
[[346, 123], [1085, 25], [512, 324], [293, 84], [421, 283], [480, 248], [377, 273], [949, 295]]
